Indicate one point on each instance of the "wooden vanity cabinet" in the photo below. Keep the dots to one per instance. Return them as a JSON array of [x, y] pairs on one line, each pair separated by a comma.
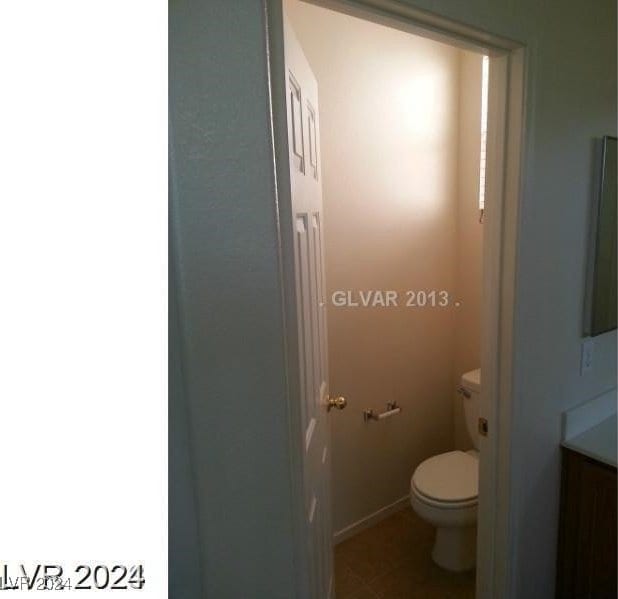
[[586, 566]]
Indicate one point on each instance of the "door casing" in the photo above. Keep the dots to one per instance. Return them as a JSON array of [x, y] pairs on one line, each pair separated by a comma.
[[505, 143]]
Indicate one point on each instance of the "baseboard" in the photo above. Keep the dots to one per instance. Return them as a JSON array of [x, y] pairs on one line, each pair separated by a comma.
[[370, 520]]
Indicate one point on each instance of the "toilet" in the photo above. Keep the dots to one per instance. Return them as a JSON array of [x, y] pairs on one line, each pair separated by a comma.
[[444, 490]]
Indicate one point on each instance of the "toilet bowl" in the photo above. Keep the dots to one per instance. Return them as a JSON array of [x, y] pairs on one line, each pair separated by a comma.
[[444, 491]]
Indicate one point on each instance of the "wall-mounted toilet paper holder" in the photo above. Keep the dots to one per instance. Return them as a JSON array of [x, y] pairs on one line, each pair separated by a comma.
[[392, 408]]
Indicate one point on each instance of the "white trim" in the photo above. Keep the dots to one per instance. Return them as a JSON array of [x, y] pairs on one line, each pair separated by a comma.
[[399, 14], [370, 520], [496, 528], [275, 54], [507, 174]]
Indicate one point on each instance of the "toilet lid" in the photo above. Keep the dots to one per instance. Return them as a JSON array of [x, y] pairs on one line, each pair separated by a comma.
[[452, 476]]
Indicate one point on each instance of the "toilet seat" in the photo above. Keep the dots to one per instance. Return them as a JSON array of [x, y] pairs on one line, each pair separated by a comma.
[[448, 480], [444, 505]]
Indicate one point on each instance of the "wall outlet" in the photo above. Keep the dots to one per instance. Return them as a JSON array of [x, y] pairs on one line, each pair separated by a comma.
[[585, 365]]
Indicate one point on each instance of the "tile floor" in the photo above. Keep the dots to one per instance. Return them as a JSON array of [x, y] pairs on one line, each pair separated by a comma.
[[392, 560]]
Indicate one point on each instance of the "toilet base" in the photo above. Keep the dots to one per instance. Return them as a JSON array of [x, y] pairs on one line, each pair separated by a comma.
[[455, 548]]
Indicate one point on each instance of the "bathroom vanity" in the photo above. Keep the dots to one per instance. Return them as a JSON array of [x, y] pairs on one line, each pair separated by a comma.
[[586, 565]]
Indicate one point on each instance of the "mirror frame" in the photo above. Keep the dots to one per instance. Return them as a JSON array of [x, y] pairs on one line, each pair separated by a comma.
[[593, 328]]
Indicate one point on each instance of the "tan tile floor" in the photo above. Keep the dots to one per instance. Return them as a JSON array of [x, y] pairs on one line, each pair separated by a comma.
[[392, 560]]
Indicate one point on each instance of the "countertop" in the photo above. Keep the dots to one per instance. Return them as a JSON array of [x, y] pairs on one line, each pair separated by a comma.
[[598, 442]]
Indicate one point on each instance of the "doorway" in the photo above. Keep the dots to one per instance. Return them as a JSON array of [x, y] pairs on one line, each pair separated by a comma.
[[504, 140]]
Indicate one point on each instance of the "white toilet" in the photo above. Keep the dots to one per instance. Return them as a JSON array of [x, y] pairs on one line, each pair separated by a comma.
[[444, 490]]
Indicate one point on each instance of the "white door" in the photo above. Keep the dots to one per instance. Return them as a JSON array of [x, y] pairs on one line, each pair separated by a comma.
[[307, 223]]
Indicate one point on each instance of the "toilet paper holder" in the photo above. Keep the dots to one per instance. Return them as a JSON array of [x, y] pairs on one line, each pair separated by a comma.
[[392, 408]]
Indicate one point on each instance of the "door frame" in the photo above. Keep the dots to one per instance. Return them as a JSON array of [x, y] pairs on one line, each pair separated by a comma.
[[504, 187]]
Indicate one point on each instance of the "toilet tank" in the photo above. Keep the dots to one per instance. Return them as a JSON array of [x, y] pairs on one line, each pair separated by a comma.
[[470, 391]]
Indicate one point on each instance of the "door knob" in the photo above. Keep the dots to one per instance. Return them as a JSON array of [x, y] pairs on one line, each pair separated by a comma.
[[336, 402]]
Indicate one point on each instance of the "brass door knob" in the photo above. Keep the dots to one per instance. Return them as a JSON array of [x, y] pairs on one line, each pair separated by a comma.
[[336, 402]]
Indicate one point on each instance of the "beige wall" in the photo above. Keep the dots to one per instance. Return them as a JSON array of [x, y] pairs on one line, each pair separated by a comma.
[[389, 107], [469, 259]]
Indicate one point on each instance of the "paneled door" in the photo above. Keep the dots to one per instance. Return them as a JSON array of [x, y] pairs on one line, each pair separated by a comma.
[[308, 229]]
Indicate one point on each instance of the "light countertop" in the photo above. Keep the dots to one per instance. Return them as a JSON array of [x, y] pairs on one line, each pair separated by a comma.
[[598, 442]]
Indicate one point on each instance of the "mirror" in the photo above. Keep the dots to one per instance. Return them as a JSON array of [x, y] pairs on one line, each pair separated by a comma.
[[601, 313]]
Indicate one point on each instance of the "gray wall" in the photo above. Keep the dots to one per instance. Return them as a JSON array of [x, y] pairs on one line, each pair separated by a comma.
[[229, 300], [183, 547], [230, 288]]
